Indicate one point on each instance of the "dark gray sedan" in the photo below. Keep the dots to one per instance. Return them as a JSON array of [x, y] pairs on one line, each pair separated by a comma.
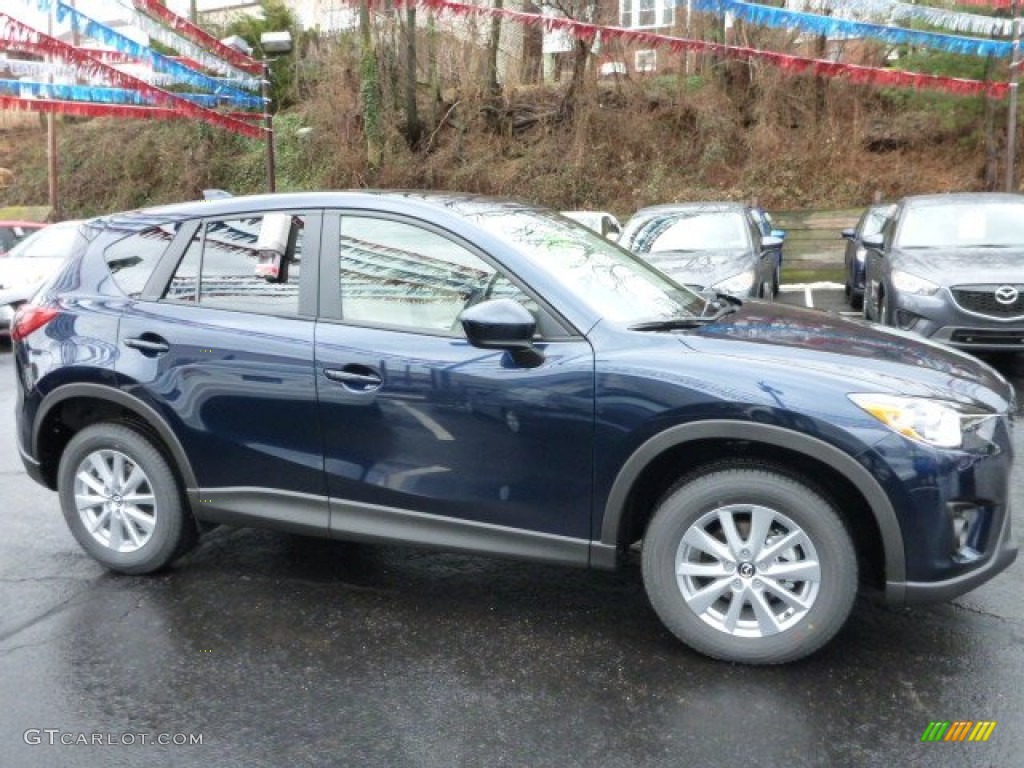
[[707, 246], [951, 267]]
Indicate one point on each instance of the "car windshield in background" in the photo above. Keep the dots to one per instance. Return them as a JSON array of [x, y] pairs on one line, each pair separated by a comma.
[[963, 226], [876, 220], [711, 230], [55, 241], [613, 282]]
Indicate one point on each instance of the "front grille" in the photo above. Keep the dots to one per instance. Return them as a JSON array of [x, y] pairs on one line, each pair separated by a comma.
[[982, 300]]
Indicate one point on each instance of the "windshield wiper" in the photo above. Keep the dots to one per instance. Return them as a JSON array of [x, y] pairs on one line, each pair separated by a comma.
[[684, 323]]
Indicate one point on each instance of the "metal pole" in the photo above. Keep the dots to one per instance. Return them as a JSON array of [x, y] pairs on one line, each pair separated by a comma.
[[268, 124], [51, 139], [1011, 120]]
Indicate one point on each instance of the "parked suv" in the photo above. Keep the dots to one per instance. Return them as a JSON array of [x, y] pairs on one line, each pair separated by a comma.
[[951, 267], [487, 376]]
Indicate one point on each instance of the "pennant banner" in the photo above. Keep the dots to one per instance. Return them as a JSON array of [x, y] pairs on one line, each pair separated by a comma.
[[829, 26], [936, 17], [157, 10], [159, 62], [85, 109], [853, 73], [93, 93], [185, 47], [17, 36]]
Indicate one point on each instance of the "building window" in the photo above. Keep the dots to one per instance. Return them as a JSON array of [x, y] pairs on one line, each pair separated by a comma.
[[645, 61], [646, 13]]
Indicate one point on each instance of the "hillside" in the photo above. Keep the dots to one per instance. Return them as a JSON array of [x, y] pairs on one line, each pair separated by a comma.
[[790, 142]]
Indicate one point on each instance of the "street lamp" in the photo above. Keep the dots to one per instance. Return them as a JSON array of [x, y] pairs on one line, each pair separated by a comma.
[[273, 44]]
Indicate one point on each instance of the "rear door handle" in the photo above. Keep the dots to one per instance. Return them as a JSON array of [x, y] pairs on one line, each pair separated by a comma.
[[149, 344], [355, 377]]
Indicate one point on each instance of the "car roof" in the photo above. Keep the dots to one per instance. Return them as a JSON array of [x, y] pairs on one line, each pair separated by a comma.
[[962, 198], [411, 199]]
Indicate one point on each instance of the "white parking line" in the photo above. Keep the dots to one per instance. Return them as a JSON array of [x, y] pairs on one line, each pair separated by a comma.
[[808, 297]]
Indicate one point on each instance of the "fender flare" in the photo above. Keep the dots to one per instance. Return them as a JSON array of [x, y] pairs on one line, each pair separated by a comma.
[[812, 447], [118, 397]]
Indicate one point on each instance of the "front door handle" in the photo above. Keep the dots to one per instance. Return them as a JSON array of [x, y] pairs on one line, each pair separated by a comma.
[[357, 378], [149, 344]]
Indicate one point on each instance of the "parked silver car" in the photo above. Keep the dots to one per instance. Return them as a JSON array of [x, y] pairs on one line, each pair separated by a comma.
[[707, 246]]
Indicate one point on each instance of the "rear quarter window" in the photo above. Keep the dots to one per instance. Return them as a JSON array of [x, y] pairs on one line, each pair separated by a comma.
[[132, 259]]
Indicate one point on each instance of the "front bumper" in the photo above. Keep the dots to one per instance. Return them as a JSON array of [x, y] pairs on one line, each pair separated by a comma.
[[910, 592], [940, 318]]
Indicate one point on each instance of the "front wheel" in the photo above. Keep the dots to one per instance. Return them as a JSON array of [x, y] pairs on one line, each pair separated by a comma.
[[121, 501], [749, 565]]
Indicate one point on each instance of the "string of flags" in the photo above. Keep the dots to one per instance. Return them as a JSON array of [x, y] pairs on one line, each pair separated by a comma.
[[92, 82], [223, 83], [854, 73]]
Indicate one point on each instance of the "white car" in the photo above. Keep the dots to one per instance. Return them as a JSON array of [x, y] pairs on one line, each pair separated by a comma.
[[601, 222], [29, 263]]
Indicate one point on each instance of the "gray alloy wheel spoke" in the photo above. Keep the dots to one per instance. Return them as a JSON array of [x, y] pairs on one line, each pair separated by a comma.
[[704, 570], [698, 539], [703, 599], [115, 501], [801, 570], [778, 547], [136, 477], [100, 521], [144, 521], [761, 519], [749, 587], [779, 591], [766, 620], [732, 535]]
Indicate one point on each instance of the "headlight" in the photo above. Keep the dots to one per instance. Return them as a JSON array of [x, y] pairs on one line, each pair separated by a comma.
[[740, 283], [908, 283], [860, 255], [941, 423]]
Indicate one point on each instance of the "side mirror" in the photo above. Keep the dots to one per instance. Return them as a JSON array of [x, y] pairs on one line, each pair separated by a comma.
[[499, 324], [779, 233], [848, 234], [874, 242], [769, 242]]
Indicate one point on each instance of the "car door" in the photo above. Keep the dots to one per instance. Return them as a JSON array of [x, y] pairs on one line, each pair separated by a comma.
[[427, 438], [221, 347]]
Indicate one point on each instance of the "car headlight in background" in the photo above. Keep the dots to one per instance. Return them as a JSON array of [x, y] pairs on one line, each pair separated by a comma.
[[940, 423], [860, 255], [740, 283], [908, 283]]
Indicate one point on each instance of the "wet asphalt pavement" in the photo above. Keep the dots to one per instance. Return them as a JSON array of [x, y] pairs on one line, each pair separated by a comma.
[[275, 650]]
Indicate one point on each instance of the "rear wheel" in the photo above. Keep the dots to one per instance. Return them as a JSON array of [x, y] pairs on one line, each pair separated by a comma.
[[749, 565], [121, 500]]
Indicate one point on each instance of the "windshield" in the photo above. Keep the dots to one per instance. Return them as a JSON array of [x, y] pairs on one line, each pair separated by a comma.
[[697, 231], [53, 242], [613, 282], [962, 226]]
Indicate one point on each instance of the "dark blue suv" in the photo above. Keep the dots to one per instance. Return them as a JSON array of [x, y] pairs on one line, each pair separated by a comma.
[[487, 376]]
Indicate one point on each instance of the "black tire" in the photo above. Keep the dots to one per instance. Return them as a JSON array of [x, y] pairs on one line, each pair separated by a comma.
[[856, 300], [122, 543], [776, 280], [781, 632]]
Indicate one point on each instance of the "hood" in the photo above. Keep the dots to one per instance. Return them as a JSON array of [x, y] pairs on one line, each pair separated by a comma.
[[864, 357], [957, 266], [702, 268]]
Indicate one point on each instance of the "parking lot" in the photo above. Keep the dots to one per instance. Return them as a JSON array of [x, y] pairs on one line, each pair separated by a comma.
[[266, 649]]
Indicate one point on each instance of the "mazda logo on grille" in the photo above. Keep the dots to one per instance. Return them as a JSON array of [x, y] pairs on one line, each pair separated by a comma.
[[1006, 294]]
